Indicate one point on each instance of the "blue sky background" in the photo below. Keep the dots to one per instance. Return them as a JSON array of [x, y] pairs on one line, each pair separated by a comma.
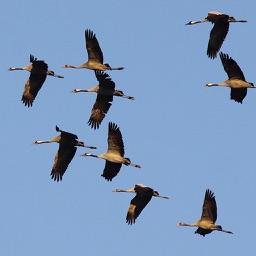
[[187, 138]]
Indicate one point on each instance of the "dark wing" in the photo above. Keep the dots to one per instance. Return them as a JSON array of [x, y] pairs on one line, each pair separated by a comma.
[[238, 94], [93, 47], [203, 232], [106, 85], [99, 110], [138, 203], [209, 207], [111, 170], [32, 58], [217, 37], [115, 139], [35, 82], [62, 159], [230, 66], [66, 135], [104, 97]]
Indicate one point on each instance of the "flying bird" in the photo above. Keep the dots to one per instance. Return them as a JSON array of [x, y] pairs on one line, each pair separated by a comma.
[[219, 31], [67, 149], [105, 91], [236, 80], [139, 202], [29, 67], [115, 155], [95, 55], [38, 71], [209, 216]]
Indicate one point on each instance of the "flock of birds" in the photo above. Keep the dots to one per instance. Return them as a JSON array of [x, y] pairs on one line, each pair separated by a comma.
[[105, 90]]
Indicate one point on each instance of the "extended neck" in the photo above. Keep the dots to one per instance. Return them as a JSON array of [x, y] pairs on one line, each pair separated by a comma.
[[88, 154], [55, 139], [220, 84], [42, 141], [93, 89], [131, 190], [195, 224], [12, 69], [78, 90], [28, 68], [196, 22], [78, 67]]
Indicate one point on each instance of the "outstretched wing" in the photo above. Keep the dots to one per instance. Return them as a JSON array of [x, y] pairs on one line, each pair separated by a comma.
[[115, 139], [93, 47], [238, 94], [35, 82], [32, 58], [217, 37], [203, 232], [111, 170], [62, 159], [66, 135], [209, 207], [231, 67], [138, 203], [99, 111], [104, 97], [106, 85]]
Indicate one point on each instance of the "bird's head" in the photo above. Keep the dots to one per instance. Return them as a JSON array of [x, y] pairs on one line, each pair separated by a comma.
[[76, 90], [67, 66], [11, 69], [190, 23], [209, 85], [86, 154], [117, 190], [38, 142]]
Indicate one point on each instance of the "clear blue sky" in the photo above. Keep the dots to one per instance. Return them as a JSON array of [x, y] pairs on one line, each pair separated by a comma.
[[186, 137]]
